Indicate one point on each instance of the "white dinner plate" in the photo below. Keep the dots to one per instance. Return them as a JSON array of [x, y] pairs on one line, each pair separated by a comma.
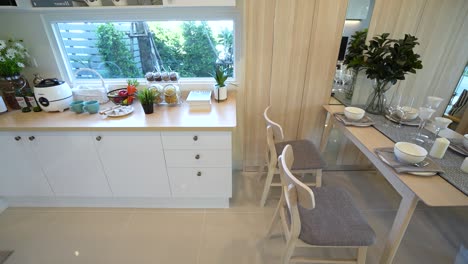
[[421, 173], [122, 111]]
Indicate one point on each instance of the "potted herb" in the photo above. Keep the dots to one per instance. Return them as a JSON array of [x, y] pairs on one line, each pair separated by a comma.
[[220, 89], [386, 62], [146, 97], [354, 59]]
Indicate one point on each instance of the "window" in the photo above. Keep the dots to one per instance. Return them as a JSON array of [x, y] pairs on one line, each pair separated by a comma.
[[129, 49]]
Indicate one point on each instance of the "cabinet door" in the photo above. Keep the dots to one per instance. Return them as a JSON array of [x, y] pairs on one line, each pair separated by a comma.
[[134, 163], [201, 182], [70, 163], [20, 174]]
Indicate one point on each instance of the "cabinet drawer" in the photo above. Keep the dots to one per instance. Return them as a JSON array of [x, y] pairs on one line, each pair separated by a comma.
[[196, 140], [198, 158], [201, 182]]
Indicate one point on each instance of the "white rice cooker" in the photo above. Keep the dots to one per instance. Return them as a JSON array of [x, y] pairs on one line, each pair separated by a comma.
[[53, 95]]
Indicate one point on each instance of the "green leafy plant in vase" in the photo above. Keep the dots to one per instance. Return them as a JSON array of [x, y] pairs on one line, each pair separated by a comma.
[[146, 97], [354, 59], [387, 61], [220, 89]]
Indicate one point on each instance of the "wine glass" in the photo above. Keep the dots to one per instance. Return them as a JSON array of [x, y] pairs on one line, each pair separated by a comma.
[[392, 107], [433, 102], [441, 123], [424, 114]]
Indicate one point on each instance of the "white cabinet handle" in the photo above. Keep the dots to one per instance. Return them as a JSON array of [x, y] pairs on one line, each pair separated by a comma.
[[31, 138], [98, 138], [17, 138], [199, 173]]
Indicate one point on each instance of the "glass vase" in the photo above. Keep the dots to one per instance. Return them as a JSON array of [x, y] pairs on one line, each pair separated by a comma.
[[9, 85], [377, 100], [349, 91]]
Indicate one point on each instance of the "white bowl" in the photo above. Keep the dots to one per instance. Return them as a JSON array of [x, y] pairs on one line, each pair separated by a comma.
[[411, 113], [410, 153], [354, 113], [465, 141]]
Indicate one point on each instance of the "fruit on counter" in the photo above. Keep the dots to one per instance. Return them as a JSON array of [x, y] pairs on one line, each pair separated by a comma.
[[123, 93], [131, 86]]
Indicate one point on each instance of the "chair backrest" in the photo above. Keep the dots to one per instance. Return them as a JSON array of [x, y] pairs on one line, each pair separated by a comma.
[[278, 134], [303, 194], [271, 152], [294, 192]]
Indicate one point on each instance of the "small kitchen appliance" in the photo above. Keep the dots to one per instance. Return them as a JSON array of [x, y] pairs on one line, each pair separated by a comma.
[[3, 107], [53, 95]]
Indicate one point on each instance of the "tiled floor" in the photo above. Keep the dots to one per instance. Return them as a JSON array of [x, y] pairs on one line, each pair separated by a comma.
[[234, 235]]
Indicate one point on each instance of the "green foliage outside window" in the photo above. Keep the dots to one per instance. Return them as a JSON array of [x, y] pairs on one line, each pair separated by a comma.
[[112, 47]]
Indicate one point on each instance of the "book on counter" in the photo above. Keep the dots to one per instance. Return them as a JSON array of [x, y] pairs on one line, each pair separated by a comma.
[[52, 3], [199, 100]]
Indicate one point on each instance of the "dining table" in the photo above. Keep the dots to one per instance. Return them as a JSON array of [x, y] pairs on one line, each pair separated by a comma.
[[433, 191]]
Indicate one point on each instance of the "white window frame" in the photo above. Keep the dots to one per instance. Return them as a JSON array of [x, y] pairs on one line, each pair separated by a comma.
[[50, 21]]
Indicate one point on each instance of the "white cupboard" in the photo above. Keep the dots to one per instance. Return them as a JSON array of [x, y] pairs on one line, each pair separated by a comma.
[[134, 163], [70, 163], [21, 175]]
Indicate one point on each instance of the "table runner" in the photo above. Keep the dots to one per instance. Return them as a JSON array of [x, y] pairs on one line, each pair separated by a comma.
[[450, 163]]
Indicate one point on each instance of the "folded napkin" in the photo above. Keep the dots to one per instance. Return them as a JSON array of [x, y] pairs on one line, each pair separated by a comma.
[[457, 145], [388, 156], [365, 121]]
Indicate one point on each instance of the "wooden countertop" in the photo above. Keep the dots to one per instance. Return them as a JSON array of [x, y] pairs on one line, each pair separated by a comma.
[[221, 117]]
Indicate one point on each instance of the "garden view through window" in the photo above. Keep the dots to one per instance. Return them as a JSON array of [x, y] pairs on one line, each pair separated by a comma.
[[130, 49]]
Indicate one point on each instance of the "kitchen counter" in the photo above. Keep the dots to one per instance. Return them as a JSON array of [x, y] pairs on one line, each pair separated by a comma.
[[221, 117]]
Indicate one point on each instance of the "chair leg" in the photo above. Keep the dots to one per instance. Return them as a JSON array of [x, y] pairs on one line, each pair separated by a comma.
[[361, 258], [266, 188], [318, 177], [290, 246], [275, 217]]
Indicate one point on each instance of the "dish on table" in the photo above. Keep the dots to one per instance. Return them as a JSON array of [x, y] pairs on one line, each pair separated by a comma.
[[121, 111], [423, 173], [457, 146], [396, 119]]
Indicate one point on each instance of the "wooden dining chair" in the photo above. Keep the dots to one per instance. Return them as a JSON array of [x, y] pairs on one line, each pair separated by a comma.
[[308, 161], [323, 217]]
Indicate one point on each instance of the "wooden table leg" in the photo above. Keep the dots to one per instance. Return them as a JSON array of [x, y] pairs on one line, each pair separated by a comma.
[[326, 132], [402, 219]]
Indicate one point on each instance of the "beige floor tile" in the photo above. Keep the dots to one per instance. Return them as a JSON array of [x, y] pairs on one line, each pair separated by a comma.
[[153, 237], [234, 238]]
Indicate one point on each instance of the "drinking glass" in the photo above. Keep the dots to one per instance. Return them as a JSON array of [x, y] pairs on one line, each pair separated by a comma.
[[424, 114], [441, 123], [405, 106], [433, 102], [392, 107]]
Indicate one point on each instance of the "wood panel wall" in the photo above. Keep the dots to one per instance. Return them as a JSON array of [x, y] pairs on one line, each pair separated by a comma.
[[290, 58]]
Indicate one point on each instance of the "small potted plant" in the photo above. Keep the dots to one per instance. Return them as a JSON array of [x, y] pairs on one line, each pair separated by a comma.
[[146, 97], [220, 89]]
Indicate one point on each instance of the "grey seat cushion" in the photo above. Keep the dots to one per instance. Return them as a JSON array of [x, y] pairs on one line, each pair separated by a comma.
[[306, 155], [335, 221]]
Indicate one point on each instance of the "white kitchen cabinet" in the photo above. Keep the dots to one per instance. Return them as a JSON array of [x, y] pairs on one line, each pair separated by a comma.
[[134, 163], [70, 163], [199, 163], [21, 175], [200, 182]]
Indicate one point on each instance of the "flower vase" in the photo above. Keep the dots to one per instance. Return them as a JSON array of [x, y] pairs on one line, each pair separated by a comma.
[[9, 86], [349, 91], [377, 101]]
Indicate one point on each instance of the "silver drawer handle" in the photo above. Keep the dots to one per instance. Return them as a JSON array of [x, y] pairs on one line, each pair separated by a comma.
[[199, 173], [197, 156], [98, 138], [17, 138], [195, 138], [31, 138]]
